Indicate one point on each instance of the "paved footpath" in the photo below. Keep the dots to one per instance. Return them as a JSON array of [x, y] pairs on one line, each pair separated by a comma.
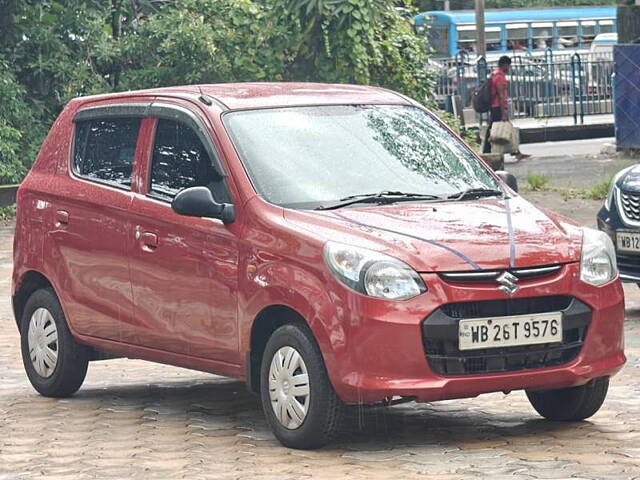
[[134, 419]]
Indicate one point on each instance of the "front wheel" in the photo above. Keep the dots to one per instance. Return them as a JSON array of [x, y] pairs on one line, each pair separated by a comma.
[[570, 404], [297, 397]]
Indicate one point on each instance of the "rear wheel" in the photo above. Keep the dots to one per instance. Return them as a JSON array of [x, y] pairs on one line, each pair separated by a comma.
[[570, 404], [297, 397], [55, 364]]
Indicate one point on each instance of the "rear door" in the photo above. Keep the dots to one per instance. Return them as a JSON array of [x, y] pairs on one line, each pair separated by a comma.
[[91, 228], [184, 270]]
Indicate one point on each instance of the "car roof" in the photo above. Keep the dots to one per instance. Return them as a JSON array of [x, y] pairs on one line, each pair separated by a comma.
[[263, 95]]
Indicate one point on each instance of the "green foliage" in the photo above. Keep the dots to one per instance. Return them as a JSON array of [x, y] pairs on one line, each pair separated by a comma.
[[54, 50], [7, 213], [536, 182], [469, 136], [61, 51], [355, 41], [204, 41], [17, 128], [598, 191]]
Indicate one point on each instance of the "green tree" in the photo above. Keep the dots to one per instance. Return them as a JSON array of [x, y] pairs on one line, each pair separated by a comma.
[[204, 41], [54, 50], [19, 132], [355, 41]]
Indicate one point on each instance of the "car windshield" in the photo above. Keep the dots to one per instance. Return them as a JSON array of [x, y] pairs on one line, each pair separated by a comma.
[[308, 157]]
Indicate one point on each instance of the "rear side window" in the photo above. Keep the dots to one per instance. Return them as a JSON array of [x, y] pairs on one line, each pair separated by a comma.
[[180, 161], [104, 150]]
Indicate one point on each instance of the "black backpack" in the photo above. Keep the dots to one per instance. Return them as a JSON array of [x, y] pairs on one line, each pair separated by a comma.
[[481, 98]]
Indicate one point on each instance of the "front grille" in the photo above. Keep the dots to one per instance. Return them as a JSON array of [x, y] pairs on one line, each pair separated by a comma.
[[440, 336], [630, 203], [503, 308], [491, 275]]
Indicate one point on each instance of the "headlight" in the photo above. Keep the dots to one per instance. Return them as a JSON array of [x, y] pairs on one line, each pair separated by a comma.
[[372, 273], [598, 260], [609, 200], [613, 188]]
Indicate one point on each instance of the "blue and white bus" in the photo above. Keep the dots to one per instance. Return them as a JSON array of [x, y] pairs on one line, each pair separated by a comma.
[[513, 31]]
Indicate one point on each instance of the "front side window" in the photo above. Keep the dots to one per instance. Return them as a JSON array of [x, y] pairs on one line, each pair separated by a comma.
[[179, 161], [104, 150], [306, 157]]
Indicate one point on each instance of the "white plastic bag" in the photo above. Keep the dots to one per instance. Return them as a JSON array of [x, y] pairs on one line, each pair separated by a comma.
[[501, 133]]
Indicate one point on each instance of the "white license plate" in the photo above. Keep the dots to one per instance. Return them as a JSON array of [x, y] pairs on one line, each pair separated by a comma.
[[510, 331], [628, 241]]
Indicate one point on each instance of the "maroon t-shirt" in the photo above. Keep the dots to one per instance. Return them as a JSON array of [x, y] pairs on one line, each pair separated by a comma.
[[498, 78]]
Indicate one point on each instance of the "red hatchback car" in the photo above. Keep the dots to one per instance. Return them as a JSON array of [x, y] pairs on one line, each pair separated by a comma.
[[327, 244]]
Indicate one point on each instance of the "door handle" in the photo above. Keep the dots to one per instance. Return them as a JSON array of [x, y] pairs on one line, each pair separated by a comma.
[[62, 217], [149, 239]]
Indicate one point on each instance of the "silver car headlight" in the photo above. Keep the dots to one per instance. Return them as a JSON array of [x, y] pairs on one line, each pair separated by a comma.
[[372, 273], [598, 259]]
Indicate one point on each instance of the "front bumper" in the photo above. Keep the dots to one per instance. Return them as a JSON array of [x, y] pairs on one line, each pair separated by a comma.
[[383, 353]]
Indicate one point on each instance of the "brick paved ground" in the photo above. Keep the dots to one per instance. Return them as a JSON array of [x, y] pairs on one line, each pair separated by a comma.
[[134, 419]]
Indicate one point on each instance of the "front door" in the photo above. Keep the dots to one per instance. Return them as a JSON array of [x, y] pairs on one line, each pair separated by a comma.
[[183, 269]]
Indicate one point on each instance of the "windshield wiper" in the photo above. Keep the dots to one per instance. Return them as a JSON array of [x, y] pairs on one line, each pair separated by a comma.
[[386, 196], [476, 193]]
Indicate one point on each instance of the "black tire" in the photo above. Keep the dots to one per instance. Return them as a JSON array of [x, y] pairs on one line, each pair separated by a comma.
[[325, 409], [570, 404], [73, 358]]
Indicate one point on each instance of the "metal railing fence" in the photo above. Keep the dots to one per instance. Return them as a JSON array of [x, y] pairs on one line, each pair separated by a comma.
[[539, 87]]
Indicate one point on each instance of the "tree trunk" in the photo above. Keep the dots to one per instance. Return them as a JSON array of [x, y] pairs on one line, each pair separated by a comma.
[[628, 24]]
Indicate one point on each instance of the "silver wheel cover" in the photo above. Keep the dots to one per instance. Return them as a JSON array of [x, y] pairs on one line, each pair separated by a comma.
[[289, 387], [42, 339]]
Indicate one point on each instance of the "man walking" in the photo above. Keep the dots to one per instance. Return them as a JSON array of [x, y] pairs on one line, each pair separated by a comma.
[[500, 101]]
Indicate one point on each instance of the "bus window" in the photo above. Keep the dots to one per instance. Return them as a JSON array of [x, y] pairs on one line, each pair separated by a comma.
[[567, 34], [542, 35], [606, 26], [467, 38], [439, 39], [517, 36], [493, 38], [588, 33]]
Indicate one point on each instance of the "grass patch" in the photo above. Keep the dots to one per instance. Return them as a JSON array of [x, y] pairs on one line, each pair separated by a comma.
[[536, 182], [599, 191]]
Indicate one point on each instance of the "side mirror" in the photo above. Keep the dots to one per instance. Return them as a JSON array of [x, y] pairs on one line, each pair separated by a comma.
[[198, 202], [509, 179]]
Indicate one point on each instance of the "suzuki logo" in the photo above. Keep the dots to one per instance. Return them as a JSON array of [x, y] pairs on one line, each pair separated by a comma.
[[508, 283]]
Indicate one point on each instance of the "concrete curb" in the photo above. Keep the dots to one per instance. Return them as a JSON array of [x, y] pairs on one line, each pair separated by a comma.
[[559, 133], [568, 132]]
